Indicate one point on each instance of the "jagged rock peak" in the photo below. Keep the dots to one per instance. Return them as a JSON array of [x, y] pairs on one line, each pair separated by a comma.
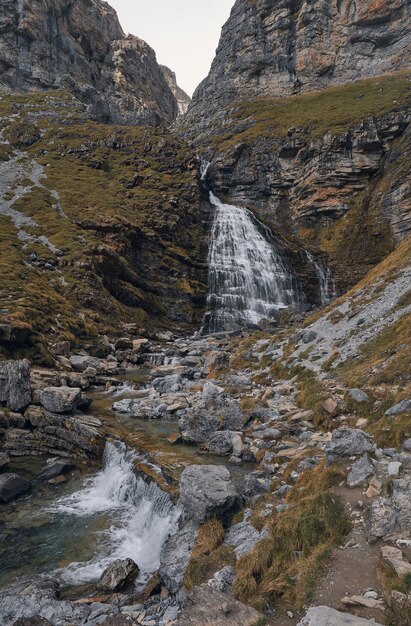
[[80, 46], [282, 47], [183, 99]]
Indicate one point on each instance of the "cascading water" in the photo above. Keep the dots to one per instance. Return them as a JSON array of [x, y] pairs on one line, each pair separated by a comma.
[[248, 281], [142, 517], [325, 280]]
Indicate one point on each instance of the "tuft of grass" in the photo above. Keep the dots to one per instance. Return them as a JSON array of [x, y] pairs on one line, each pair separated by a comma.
[[209, 555], [282, 570]]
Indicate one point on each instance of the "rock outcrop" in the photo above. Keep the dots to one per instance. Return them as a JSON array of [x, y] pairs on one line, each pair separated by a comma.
[[281, 48], [183, 99], [80, 46]]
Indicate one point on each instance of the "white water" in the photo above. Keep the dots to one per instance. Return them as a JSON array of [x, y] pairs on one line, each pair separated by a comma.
[[248, 281], [141, 517], [325, 280]]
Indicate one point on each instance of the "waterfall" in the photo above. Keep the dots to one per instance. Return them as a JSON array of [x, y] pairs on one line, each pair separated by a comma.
[[248, 281], [141, 517], [325, 281]]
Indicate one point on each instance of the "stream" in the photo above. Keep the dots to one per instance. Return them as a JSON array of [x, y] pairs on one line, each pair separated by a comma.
[[75, 530]]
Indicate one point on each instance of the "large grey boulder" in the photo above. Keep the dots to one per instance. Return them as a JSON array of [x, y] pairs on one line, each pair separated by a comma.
[[56, 467], [175, 556], [213, 411], [208, 491], [347, 442], [119, 575], [15, 389], [361, 470], [12, 486], [81, 363], [29, 598], [61, 400], [169, 384], [206, 606], [324, 616], [358, 395], [401, 407], [223, 579]]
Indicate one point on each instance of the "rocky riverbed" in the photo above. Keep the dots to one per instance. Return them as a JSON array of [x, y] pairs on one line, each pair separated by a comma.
[[202, 443]]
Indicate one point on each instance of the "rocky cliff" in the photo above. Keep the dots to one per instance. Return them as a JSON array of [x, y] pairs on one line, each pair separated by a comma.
[[80, 46], [305, 116], [183, 99], [283, 47]]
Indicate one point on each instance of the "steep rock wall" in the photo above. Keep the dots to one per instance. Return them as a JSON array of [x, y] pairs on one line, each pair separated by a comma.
[[80, 46]]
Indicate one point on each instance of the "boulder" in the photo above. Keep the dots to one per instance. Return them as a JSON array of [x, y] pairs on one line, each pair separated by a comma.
[[256, 483], [358, 395], [361, 470], [175, 556], [124, 343], [81, 363], [168, 384], [221, 442], [12, 486], [395, 559], [401, 407], [57, 467], [15, 389], [119, 575], [205, 606], [208, 491], [347, 442], [223, 579], [324, 616], [330, 406], [61, 400]]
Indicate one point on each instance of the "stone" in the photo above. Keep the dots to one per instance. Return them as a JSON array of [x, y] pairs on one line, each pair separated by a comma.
[[367, 601], [256, 483], [119, 575], [175, 556], [358, 395], [61, 348], [401, 407], [374, 488], [223, 579], [54, 469], [243, 537], [15, 388], [381, 519], [325, 616], [12, 486], [394, 468], [81, 363], [330, 406], [407, 445], [395, 559], [221, 443], [62, 400], [205, 606], [208, 491], [361, 470], [168, 384], [347, 442]]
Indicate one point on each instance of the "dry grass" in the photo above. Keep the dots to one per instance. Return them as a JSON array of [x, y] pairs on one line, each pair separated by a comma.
[[282, 571], [209, 555]]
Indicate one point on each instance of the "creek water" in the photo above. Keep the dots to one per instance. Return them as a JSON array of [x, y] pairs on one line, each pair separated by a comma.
[[76, 529]]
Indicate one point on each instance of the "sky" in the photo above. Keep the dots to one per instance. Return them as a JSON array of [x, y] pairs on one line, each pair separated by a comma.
[[184, 33]]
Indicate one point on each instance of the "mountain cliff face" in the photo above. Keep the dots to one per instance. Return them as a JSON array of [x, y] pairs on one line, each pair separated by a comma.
[[183, 99], [283, 47], [305, 116], [80, 46]]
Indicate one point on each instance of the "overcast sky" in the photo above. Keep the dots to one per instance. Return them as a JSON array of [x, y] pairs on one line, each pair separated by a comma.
[[184, 33]]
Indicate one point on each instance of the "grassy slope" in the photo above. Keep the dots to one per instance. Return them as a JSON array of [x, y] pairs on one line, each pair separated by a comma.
[[116, 228]]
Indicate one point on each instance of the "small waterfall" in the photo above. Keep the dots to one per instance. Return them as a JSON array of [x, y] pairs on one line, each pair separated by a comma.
[[325, 280], [248, 281], [141, 515]]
